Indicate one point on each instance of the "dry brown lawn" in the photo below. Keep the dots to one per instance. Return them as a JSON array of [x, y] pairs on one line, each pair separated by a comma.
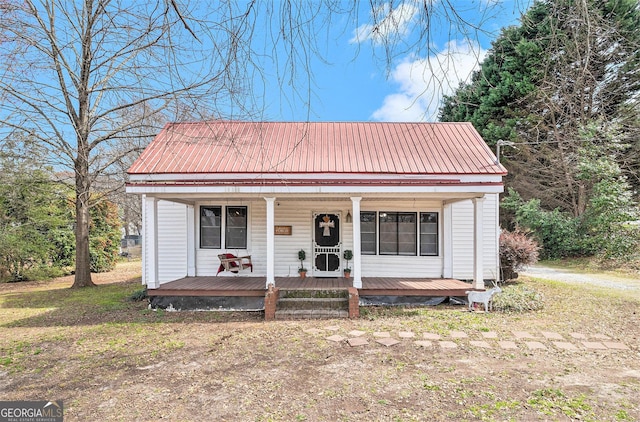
[[110, 359]]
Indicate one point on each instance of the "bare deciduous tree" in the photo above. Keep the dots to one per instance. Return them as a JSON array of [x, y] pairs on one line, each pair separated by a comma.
[[75, 75], [71, 71]]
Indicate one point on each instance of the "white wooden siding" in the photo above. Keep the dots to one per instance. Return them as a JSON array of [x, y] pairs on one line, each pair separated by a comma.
[[404, 266], [172, 241], [207, 261], [490, 237], [462, 237], [146, 239], [299, 215]]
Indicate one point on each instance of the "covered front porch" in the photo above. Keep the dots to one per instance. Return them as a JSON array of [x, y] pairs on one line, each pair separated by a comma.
[[409, 235]]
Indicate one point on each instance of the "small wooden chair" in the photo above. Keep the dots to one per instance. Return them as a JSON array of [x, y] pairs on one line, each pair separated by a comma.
[[232, 263]]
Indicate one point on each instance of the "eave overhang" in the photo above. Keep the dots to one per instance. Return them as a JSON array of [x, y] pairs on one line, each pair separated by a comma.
[[311, 186]]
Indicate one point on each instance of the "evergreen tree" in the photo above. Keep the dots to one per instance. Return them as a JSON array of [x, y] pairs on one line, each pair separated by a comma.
[[37, 217], [31, 211], [569, 65]]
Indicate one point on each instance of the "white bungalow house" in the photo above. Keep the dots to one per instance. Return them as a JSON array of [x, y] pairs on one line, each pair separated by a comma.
[[412, 200]]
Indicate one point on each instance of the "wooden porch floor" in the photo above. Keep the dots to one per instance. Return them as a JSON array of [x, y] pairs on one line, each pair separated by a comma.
[[255, 286]]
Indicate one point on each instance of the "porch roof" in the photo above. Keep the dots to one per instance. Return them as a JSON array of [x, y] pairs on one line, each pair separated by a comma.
[[190, 153]]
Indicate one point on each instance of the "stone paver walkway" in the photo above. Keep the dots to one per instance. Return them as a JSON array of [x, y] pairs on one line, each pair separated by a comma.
[[516, 340]]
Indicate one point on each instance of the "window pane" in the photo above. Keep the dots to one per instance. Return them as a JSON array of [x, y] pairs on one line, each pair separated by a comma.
[[429, 245], [407, 233], [368, 233], [429, 233], [236, 228], [388, 233], [210, 219]]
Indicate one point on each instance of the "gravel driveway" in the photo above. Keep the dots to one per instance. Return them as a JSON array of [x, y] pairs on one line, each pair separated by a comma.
[[600, 280]]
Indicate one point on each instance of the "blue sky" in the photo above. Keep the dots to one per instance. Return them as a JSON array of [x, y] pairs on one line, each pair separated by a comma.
[[357, 84]]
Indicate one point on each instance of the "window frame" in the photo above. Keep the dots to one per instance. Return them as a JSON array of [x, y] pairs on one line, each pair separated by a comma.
[[227, 226], [437, 233], [222, 236], [375, 234], [219, 227], [398, 233]]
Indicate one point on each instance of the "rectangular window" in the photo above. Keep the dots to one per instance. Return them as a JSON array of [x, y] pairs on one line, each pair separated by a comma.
[[236, 228], [429, 233], [398, 233], [368, 233], [210, 225]]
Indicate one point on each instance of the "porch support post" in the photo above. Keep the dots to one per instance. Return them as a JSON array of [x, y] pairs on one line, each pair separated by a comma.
[[271, 242], [447, 240], [150, 244], [478, 270], [357, 261], [191, 241]]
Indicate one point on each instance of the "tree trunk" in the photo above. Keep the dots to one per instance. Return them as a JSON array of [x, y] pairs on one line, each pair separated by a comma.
[[83, 263], [81, 164], [83, 189]]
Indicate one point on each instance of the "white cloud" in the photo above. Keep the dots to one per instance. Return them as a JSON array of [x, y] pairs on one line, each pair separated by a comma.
[[423, 81], [388, 23]]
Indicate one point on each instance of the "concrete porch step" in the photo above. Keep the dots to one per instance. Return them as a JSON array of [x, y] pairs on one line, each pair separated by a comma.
[[285, 314], [310, 303], [314, 293]]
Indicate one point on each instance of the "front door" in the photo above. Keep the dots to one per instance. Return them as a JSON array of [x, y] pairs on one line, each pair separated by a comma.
[[326, 245]]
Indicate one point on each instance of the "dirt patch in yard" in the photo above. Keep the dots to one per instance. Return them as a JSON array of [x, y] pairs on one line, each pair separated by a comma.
[[111, 359]]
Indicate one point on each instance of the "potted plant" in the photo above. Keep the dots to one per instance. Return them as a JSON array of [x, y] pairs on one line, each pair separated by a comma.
[[348, 256], [302, 255]]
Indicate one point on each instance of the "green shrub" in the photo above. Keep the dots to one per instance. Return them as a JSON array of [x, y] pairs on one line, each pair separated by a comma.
[[518, 298], [622, 243], [138, 295], [64, 247], [44, 272], [602, 226], [104, 237], [22, 248], [611, 206], [103, 254], [555, 231]]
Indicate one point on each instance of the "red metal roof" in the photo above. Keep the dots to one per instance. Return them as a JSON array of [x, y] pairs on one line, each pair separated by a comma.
[[327, 147]]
